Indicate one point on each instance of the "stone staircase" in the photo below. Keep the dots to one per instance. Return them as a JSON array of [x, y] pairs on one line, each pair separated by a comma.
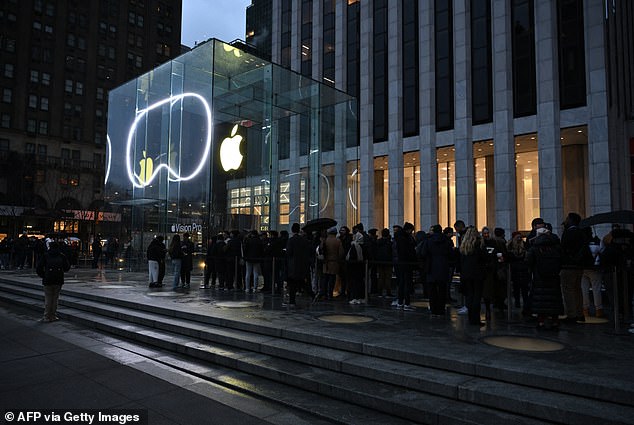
[[348, 379]]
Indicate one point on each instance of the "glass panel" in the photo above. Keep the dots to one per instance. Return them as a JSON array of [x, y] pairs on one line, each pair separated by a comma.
[[411, 188], [527, 180], [193, 143], [484, 183], [445, 158]]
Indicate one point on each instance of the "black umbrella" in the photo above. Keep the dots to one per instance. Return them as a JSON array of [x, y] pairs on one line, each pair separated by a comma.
[[621, 217], [319, 224]]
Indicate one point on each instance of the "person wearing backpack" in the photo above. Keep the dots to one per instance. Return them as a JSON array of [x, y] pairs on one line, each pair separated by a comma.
[[51, 269]]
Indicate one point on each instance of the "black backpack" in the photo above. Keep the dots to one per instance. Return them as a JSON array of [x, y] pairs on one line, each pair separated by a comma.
[[54, 271]]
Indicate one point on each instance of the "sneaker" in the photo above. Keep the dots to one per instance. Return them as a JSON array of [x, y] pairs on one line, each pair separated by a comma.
[[399, 306], [395, 303], [463, 310], [353, 302], [408, 307]]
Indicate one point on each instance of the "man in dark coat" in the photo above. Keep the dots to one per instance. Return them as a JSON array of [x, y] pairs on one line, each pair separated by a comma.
[[187, 265], [298, 262], [544, 258], [406, 254], [156, 261], [96, 251], [51, 269], [573, 244], [233, 253], [437, 250]]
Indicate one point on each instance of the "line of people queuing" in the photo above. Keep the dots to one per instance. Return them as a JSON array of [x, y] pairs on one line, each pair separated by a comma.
[[550, 275]]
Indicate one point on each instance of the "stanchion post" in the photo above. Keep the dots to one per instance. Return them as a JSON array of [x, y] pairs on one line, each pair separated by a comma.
[[508, 293], [368, 281], [235, 274], [615, 283], [273, 276]]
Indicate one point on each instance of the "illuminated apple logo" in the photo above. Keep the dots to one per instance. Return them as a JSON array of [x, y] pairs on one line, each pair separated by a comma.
[[147, 166], [148, 169], [230, 156]]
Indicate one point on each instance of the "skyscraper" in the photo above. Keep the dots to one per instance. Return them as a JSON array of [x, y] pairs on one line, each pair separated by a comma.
[[490, 111], [59, 59]]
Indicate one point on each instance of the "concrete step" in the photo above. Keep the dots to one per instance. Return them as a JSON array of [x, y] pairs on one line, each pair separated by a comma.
[[482, 361], [390, 377]]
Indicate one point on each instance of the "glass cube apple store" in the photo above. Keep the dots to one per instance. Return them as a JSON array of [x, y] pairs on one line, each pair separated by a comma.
[[221, 139]]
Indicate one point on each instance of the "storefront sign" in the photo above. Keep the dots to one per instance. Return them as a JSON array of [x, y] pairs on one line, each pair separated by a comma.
[[191, 228]]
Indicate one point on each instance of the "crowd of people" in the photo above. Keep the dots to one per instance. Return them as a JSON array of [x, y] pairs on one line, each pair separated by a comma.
[[550, 275]]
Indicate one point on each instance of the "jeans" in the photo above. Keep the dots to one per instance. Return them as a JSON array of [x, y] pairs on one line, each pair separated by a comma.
[[252, 269], [176, 268], [404, 276], [153, 269]]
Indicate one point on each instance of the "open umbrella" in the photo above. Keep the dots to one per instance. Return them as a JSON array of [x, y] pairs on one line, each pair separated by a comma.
[[621, 217], [319, 224]]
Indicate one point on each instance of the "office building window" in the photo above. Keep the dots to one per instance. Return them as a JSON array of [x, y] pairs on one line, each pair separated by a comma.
[[44, 103], [328, 62], [31, 125], [284, 135], [443, 19], [79, 88], [43, 127], [46, 79], [5, 121], [4, 145], [572, 66], [410, 68], [307, 38], [7, 95], [35, 76], [285, 45], [481, 68], [8, 70], [32, 101], [68, 86], [523, 40], [526, 180], [328, 128], [380, 94]]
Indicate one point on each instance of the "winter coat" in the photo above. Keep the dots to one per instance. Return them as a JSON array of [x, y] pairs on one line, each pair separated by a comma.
[[156, 251], [437, 250], [253, 249], [298, 257], [384, 251], [333, 252], [405, 248], [544, 258], [472, 266], [52, 266], [187, 247]]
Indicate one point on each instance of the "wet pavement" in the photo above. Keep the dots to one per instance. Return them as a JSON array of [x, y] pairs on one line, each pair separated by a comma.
[[593, 351]]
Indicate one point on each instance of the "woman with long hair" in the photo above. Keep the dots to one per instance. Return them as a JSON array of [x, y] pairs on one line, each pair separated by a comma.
[[473, 256]]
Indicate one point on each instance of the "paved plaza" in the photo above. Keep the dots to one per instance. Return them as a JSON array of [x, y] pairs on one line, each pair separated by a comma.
[[91, 368]]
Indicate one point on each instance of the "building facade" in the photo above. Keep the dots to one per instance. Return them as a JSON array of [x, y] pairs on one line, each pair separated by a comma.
[[58, 61], [489, 111]]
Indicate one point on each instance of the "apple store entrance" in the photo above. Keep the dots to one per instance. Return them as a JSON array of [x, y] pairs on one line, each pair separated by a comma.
[[220, 139]]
